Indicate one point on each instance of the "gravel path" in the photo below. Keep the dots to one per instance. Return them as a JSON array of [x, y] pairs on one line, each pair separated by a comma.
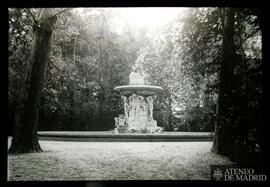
[[115, 161]]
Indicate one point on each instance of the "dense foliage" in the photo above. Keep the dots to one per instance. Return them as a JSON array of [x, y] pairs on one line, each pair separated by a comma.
[[87, 61], [239, 107]]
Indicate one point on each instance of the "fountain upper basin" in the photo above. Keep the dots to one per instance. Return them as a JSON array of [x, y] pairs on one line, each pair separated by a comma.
[[138, 89]]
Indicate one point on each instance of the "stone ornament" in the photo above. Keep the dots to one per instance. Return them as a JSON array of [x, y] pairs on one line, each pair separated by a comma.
[[138, 106], [150, 106]]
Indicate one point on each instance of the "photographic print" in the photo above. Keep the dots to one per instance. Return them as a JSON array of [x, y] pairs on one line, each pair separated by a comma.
[[135, 93]]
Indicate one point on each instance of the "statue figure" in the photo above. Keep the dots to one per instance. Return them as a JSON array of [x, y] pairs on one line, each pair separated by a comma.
[[119, 124], [143, 105], [150, 106], [126, 106], [138, 101], [135, 104], [132, 105]]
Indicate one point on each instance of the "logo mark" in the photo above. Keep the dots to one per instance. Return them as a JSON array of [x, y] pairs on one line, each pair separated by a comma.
[[217, 175]]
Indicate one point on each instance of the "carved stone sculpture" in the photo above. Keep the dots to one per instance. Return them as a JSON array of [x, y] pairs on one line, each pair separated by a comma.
[[132, 102], [126, 106], [150, 106], [138, 104]]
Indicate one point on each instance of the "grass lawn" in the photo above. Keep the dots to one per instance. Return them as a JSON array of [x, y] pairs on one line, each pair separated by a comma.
[[115, 161]]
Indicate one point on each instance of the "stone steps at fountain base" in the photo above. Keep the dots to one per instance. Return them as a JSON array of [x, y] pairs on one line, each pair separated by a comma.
[[109, 136]]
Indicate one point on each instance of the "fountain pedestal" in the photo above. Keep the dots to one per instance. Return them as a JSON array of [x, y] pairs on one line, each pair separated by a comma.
[[140, 112], [138, 104]]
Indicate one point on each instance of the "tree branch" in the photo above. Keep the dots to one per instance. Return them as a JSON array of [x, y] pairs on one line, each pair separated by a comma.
[[39, 12], [250, 35], [60, 12], [31, 15], [221, 16]]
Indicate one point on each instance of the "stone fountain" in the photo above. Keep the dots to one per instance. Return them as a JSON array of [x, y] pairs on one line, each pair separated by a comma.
[[138, 105]]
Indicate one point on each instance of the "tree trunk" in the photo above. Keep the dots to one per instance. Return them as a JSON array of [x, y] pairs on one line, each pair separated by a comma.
[[222, 139], [170, 112], [25, 139], [72, 108], [74, 49], [101, 99]]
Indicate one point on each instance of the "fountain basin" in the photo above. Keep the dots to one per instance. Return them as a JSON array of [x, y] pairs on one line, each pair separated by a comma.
[[145, 90], [109, 136]]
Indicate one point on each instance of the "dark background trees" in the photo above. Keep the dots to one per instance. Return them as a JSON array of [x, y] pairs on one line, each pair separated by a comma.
[[208, 60], [223, 43], [86, 62]]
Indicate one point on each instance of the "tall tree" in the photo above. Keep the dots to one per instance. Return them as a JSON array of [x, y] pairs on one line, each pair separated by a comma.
[[25, 137], [222, 140]]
